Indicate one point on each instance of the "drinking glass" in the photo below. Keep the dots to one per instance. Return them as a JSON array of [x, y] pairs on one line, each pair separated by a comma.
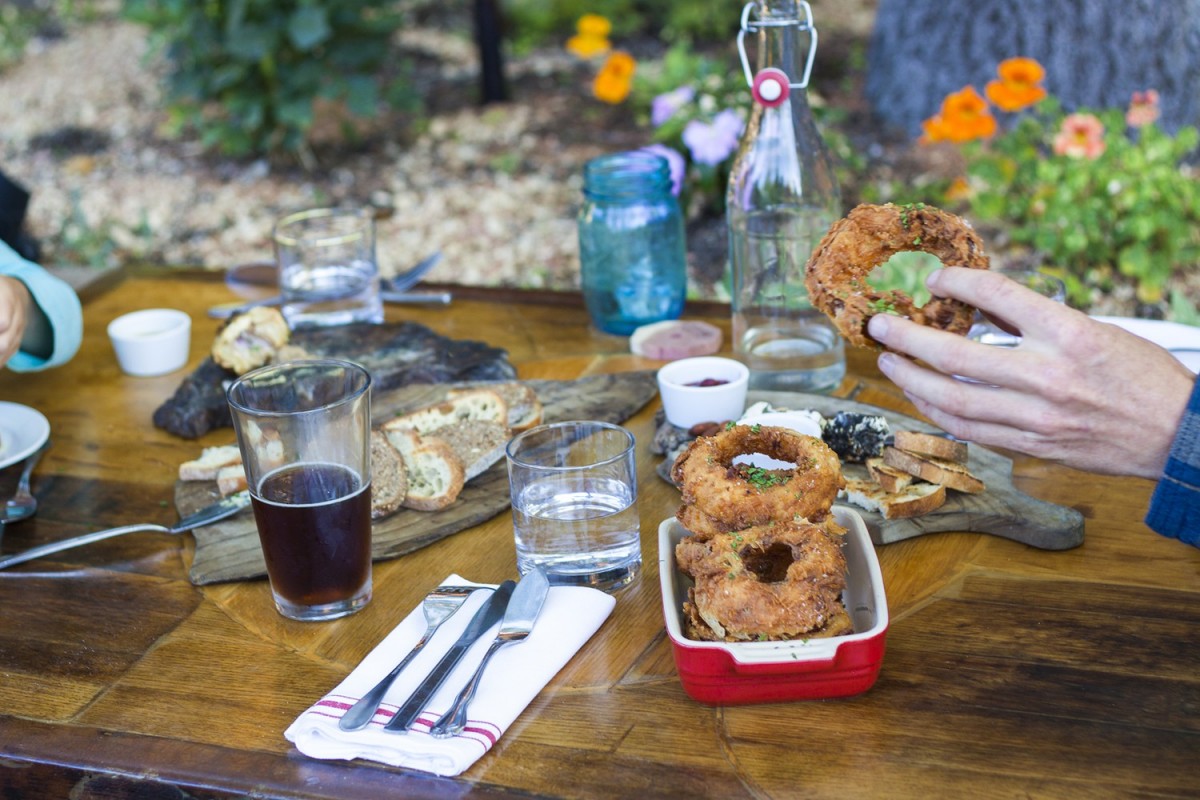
[[328, 274], [574, 500], [987, 332], [303, 428]]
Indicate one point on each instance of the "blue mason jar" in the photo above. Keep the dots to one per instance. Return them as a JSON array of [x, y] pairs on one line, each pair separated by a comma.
[[631, 242]]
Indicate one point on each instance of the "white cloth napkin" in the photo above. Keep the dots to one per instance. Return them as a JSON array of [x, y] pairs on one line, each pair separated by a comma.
[[517, 672]]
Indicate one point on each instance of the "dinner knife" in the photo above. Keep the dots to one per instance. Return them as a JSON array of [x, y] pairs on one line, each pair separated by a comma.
[[219, 510], [227, 310], [488, 615], [517, 624]]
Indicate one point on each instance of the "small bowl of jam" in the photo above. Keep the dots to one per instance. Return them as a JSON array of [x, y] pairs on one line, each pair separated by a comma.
[[703, 389]]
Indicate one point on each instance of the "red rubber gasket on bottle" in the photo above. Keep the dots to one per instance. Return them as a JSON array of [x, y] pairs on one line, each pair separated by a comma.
[[771, 87]]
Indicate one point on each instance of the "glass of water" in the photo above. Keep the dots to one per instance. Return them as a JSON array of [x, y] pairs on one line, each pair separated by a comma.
[[328, 274], [574, 500]]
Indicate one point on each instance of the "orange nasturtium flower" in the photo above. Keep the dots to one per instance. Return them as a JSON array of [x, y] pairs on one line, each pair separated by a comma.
[[591, 37], [1081, 136], [1143, 109], [964, 116], [1019, 84], [615, 78]]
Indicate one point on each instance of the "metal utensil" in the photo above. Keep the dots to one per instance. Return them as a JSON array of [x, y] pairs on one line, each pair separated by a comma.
[[23, 504], [438, 606], [411, 276], [488, 615], [205, 516], [518, 621]]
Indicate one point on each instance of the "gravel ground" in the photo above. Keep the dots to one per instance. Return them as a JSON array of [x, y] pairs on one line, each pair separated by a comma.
[[493, 188]]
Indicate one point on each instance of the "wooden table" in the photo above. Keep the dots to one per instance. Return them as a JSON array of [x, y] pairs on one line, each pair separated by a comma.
[[1009, 671]]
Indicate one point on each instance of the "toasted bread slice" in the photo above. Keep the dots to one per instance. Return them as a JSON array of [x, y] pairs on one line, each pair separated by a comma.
[[435, 474], [210, 462], [389, 480], [935, 470], [473, 404], [231, 479], [911, 501], [524, 408], [889, 479], [477, 443], [932, 445]]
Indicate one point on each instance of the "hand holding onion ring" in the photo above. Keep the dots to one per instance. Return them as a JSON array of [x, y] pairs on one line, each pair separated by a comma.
[[836, 274]]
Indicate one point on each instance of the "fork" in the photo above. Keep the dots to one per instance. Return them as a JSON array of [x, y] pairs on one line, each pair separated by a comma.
[[23, 504], [438, 606]]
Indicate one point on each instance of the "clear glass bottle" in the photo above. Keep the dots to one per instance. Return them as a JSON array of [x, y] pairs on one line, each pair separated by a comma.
[[632, 252], [782, 198]]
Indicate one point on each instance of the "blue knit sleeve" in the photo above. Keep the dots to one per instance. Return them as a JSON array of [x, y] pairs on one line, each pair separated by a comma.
[[58, 302], [1175, 504]]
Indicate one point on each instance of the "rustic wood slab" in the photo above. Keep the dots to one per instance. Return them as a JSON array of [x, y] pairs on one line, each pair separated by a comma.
[[1001, 510], [229, 550]]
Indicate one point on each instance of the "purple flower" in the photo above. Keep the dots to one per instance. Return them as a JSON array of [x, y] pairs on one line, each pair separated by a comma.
[[713, 142], [663, 107], [674, 160]]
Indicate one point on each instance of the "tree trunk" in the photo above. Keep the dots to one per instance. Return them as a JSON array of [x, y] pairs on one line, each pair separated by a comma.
[[1096, 53]]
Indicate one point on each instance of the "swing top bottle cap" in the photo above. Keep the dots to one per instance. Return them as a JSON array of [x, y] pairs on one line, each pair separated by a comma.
[[771, 87]]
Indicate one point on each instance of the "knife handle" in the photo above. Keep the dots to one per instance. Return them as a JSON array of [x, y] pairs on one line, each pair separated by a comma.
[[408, 713]]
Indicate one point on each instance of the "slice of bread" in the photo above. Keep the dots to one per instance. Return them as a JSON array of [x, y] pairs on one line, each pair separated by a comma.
[[477, 443], [889, 478], [231, 479], [435, 474], [250, 339], [473, 404], [389, 480], [932, 445], [911, 501], [935, 470], [210, 462], [524, 408]]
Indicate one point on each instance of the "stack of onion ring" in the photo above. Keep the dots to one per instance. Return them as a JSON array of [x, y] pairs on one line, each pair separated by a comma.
[[836, 273], [764, 551]]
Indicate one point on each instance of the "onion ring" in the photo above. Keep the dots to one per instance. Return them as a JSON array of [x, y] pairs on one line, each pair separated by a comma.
[[738, 497], [867, 237], [779, 581]]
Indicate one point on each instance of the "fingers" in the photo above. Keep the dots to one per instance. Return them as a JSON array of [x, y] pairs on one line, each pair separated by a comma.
[[1017, 307], [947, 352]]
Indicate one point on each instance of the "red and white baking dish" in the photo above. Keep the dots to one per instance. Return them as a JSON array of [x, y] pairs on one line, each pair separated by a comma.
[[732, 673]]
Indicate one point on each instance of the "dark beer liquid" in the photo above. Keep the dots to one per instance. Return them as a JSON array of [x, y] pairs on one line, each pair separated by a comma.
[[314, 521]]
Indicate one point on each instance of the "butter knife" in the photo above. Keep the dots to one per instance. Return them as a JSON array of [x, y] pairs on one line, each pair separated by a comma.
[[219, 510], [517, 624], [488, 615]]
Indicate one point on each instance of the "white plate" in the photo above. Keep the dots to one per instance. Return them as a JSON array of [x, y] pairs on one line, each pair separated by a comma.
[[22, 431], [1183, 339]]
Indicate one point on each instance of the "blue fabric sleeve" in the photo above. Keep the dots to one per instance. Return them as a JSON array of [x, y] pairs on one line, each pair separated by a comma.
[[1175, 504], [58, 302]]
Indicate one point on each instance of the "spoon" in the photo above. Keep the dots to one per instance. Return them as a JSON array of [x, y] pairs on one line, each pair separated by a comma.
[[23, 504]]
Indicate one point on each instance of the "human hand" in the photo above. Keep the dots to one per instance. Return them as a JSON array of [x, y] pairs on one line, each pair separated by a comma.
[[1076, 391], [15, 301]]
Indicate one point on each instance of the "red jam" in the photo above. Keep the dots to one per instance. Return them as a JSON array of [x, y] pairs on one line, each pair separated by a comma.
[[708, 382]]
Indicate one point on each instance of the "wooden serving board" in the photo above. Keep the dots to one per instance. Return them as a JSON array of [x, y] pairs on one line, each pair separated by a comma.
[[229, 550], [1000, 510]]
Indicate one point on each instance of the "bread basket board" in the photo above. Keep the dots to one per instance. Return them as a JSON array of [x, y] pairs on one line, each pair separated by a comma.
[[1000, 510], [229, 550]]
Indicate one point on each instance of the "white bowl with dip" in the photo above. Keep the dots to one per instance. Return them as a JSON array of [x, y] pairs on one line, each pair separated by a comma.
[[703, 389], [151, 342]]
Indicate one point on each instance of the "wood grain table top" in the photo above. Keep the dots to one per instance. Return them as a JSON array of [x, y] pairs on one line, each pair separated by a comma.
[[1009, 671]]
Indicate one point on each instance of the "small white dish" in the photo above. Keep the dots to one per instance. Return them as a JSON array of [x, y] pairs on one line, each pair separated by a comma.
[[151, 342], [22, 431], [687, 402]]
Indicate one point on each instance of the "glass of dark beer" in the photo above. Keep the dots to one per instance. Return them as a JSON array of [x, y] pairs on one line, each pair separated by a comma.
[[303, 428]]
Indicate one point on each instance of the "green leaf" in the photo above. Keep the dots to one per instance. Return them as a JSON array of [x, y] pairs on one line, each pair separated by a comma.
[[308, 26], [249, 42]]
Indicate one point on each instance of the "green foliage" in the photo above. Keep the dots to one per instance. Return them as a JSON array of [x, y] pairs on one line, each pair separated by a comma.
[[1132, 211], [540, 23], [245, 73]]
